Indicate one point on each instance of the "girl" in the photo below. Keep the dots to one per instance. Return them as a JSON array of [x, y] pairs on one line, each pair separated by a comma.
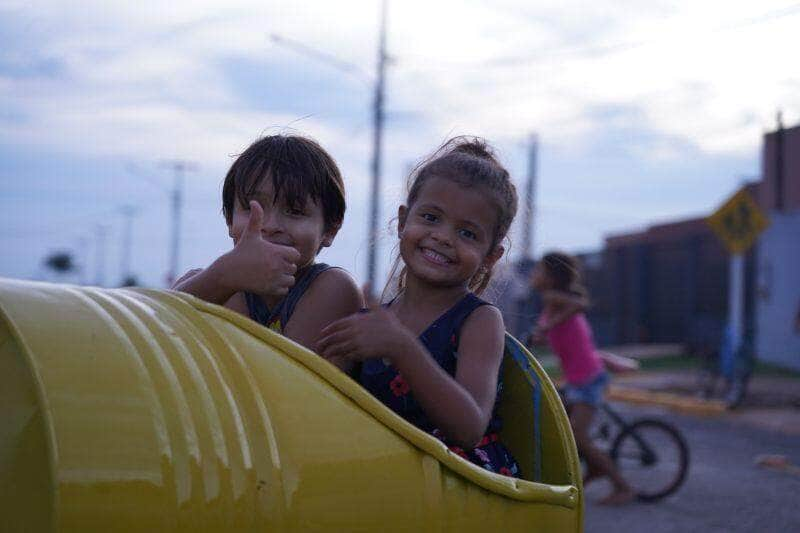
[[433, 353], [564, 325]]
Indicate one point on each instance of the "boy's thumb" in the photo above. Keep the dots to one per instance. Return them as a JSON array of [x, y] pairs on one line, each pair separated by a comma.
[[256, 218]]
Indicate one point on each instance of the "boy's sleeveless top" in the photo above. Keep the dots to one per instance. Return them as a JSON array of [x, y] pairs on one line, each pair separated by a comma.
[[277, 317], [573, 343], [441, 340]]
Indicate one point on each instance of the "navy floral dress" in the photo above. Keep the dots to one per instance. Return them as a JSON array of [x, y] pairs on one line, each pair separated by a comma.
[[441, 340]]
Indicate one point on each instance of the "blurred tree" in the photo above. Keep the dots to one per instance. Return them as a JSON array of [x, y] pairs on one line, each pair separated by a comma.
[[60, 262], [130, 281]]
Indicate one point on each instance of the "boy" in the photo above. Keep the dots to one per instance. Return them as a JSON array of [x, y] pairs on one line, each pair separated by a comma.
[[283, 201]]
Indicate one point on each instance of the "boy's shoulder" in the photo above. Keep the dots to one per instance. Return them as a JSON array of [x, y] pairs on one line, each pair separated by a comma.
[[332, 290], [332, 295], [334, 278]]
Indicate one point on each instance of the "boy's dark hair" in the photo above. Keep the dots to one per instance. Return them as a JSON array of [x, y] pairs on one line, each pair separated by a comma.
[[298, 167], [470, 162], [564, 270]]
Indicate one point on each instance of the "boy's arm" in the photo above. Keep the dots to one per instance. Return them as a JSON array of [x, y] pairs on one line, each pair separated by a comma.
[[206, 283], [564, 304], [333, 295], [254, 265]]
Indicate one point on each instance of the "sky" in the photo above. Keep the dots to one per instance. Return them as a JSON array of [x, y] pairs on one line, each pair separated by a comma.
[[645, 112]]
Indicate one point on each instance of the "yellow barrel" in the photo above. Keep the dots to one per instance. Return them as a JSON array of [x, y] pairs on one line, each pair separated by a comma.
[[145, 410]]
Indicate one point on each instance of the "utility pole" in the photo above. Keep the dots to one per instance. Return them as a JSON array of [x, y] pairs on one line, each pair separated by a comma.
[[530, 199], [375, 167], [378, 117], [179, 167], [779, 162], [128, 212], [83, 253], [100, 255]]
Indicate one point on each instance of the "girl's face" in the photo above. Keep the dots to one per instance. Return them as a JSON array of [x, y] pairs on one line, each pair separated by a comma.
[[446, 235], [302, 228]]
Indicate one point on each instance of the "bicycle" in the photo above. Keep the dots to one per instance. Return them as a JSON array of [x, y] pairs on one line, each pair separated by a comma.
[[651, 454]]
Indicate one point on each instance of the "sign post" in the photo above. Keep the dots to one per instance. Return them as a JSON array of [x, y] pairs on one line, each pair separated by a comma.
[[738, 223], [736, 301]]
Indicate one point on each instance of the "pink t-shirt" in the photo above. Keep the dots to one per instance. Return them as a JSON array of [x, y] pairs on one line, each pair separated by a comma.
[[573, 343]]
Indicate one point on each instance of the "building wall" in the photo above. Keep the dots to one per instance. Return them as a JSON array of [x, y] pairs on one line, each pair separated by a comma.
[[669, 283], [789, 161], [666, 284], [778, 291]]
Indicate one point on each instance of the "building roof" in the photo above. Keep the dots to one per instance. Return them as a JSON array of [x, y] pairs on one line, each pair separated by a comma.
[[672, 231]]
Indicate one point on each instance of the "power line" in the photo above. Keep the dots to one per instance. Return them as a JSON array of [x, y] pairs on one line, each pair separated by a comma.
[[324, 57], [590, 50], [378, 120], [65, 227], [605, 49]]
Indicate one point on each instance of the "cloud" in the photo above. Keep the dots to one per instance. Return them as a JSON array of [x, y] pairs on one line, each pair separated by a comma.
[[627, 97]]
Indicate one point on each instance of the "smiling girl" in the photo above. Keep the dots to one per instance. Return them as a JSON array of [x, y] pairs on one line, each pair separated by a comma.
[[433, 353]]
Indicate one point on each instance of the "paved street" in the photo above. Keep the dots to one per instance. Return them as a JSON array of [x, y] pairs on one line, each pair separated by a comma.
[[724, 492]]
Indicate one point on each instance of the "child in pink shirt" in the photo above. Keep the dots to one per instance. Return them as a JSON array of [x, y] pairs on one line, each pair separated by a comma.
[[565, 327]]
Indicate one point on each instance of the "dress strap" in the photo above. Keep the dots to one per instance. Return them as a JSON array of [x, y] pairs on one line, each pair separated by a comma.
[[461, 312], [441, 338]]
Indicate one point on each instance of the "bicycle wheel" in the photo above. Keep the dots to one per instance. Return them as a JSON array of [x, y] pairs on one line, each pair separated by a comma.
[[653, 457]]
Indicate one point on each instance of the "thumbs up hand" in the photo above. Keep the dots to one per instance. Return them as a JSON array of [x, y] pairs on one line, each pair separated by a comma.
[[258, 265]]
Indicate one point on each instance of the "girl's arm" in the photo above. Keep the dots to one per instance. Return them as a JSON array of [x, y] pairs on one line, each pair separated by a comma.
[[460, 407], [561, 305]]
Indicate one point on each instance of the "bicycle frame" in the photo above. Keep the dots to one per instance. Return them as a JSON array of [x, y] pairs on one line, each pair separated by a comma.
[[648, 455]]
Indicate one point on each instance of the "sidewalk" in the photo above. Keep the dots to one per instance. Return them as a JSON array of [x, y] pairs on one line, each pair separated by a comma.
[[772, 402]]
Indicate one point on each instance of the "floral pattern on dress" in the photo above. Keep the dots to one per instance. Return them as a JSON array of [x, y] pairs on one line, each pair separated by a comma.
[[399, 386], [441, 340], [489, 453]]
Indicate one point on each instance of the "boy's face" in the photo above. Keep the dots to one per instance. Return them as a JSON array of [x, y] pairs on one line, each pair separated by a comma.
[[301, 227]]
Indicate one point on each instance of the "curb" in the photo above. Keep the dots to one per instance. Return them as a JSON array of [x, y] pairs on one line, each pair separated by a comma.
[[696, 406]]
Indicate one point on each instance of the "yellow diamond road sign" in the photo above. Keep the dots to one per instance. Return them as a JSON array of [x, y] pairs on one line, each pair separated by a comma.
[[739, 222]]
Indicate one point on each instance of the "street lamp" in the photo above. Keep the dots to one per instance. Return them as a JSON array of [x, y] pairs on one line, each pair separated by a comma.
[[377, 123]]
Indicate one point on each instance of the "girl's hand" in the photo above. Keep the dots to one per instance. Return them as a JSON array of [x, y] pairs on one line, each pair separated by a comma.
[[375, 333], [257, 265]]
